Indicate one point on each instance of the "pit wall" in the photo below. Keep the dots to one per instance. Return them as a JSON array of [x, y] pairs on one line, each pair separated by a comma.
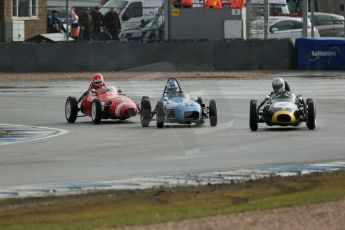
[[183, 56]]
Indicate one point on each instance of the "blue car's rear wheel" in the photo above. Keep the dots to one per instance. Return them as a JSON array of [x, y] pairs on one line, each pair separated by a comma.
[[160, 115], [213, 113], [253, 115], [145, 112]]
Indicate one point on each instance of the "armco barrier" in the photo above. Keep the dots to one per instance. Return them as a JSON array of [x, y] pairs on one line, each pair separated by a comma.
[[254, 54], [320, 53], [184, 56]]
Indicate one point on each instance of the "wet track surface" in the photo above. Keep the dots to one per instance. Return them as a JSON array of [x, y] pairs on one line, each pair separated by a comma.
[[117, 150]]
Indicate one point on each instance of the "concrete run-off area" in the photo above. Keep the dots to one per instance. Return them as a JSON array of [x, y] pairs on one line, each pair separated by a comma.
[[122, 154]]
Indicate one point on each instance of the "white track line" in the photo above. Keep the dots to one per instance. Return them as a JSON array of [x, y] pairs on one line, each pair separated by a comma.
[[59, 132]]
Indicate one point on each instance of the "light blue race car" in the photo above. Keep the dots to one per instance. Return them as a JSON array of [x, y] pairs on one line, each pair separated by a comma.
[[175, 107]]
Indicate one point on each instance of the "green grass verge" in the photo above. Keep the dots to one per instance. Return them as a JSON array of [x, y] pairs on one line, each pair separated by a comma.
[[2, 133], [120, 208]]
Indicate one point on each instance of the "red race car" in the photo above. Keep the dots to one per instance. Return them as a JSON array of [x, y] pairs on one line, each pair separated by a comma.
[[100, 102]]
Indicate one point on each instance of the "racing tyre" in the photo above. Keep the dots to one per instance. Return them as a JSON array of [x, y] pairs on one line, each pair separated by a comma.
[[253, 115], [213, 113], [71, 109], [199, 101], [160, 115], [96, 112], [311, 120], [145, 112]]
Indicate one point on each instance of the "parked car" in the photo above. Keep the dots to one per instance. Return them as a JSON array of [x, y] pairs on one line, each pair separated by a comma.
[[329, 25], [148, 31], [281, 27]]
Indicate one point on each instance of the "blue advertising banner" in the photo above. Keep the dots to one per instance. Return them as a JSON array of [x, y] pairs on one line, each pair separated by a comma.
[[320, 53]]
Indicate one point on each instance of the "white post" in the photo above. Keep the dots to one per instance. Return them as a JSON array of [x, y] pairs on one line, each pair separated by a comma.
[[166, 20], [305, 18], [312, 10], [266, 13], [67, 20], [344, 18], [248, 17]]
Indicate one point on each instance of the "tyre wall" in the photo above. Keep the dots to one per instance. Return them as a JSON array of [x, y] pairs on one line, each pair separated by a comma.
[[180, 56]]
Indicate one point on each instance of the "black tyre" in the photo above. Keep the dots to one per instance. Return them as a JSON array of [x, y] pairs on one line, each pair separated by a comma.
[[253, 116], [199, 101], [213, 113], [71, 109], [96, 111], [145, 112], [160, 115], [311, 116]]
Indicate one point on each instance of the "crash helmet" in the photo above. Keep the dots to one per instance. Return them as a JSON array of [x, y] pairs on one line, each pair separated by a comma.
[[278, 84], [97, 81], [172, 86]]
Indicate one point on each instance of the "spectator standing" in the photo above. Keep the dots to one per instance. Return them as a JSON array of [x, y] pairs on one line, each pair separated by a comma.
[[98, 18], [55, 24], [86, 25], [213, 4], [75, 30], [112, 23]]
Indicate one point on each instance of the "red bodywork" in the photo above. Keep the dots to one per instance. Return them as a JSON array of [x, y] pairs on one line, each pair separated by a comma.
[[114, 105]]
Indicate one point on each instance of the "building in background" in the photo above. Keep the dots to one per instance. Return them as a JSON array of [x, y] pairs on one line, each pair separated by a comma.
[[332, 6], [22, 19], [326, 6], [60, 5]]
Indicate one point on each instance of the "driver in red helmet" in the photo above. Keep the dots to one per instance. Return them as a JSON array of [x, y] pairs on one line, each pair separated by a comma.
[[96, 84]]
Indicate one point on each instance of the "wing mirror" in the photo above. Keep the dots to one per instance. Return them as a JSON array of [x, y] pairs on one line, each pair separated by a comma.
[[119, 91], [165, 98], [125, 17], [267, 98], [93, 91]]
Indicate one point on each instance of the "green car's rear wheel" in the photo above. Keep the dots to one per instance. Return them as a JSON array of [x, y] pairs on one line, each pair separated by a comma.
[[311, 116], [253, 115]]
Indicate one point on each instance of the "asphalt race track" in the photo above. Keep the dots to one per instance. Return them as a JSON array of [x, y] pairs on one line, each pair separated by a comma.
[[114, 150]]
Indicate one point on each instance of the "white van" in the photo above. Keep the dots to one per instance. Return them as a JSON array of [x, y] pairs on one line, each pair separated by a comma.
[[133, 12]]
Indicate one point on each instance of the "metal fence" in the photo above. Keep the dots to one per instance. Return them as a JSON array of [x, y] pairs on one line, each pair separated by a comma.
[[150, 20]]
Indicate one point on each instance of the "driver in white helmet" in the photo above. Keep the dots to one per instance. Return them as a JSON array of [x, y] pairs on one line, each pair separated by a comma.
[[172, 88], [279, 86]]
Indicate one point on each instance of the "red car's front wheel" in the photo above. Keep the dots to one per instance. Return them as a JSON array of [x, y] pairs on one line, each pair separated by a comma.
[[71, 109], [96, 111]]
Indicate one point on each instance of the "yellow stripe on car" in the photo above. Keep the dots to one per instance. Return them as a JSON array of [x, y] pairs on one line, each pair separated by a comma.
[[283, 112]]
